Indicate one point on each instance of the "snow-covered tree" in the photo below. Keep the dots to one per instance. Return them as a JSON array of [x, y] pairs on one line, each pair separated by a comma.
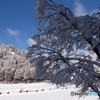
[[14, 65], [65, 46]]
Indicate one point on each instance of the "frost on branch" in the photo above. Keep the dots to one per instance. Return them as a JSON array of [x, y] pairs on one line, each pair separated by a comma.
[[63, 41]]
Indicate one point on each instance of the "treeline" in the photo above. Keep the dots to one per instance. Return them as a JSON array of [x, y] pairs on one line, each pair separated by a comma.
[[15, 66]]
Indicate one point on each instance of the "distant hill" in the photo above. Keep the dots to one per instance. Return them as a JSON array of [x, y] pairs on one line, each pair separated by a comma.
[[14, 65]]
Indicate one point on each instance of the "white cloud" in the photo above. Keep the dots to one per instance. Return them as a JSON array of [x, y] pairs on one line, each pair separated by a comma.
[[31, 42], [80, 9], [12, 32]]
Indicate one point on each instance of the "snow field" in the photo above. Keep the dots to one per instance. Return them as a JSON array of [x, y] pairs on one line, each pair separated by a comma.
[[39, 91]]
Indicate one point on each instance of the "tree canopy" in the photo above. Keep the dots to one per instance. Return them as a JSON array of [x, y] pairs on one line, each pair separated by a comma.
[[65, 46]]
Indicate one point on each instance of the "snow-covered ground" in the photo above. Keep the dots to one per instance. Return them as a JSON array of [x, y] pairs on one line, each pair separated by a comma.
[[39, 91]]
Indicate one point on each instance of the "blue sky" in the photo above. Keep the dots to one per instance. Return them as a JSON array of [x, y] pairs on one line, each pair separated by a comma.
[[16, 19]]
